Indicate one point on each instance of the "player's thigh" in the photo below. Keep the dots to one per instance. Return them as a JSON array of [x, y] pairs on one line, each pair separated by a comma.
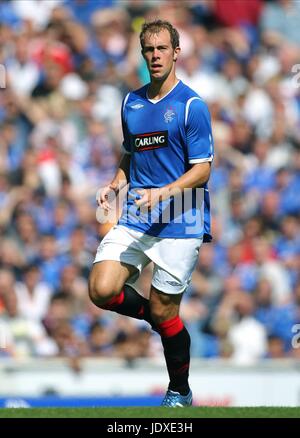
[[117, 260], [122, 245], [164, 306], [108, 277], [174, 262]]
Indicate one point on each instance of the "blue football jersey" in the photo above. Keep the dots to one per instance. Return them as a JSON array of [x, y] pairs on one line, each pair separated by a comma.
[[165, 138]]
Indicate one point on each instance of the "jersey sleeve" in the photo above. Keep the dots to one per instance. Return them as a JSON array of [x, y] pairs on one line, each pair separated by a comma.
[[126, 138], [200, 147]]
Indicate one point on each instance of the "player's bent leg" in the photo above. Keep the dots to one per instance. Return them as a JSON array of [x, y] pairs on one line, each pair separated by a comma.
[[176, 342], [107, 290], [117, 263], [107, 279]]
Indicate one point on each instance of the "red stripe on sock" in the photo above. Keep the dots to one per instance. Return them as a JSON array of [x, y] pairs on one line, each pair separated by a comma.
[[141, 311], [183, 369], [171, 327], [114, 301]]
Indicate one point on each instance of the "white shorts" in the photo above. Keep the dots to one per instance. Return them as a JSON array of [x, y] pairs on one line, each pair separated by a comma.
[[174, 259]]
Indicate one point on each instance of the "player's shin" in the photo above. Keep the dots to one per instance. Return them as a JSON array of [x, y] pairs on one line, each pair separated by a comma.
[[176, 342]]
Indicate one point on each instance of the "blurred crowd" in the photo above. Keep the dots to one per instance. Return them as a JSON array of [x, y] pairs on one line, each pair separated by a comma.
[[67, 66]]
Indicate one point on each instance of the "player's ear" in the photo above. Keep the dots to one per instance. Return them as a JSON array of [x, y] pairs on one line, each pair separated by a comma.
[[176, 53]]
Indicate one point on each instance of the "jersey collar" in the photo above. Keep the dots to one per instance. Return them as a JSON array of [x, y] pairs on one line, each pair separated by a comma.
[[155, 101]]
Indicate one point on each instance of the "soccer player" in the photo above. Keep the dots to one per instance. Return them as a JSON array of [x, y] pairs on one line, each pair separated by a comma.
[[168, 150]]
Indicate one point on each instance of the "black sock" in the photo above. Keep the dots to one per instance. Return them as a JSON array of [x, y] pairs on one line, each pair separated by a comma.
[[130, 303], [177, 355]]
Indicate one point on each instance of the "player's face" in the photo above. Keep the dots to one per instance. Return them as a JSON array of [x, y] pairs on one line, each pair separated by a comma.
[[159, 54]]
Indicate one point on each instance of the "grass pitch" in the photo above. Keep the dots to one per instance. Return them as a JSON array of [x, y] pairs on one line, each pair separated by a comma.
[[152, 412]]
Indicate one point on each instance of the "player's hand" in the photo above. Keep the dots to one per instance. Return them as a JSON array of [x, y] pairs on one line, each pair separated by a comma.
[[103, 197], [148, 198]]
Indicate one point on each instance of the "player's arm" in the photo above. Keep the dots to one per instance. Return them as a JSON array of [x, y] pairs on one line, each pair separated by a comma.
[[199, 149], [123, 173], [197, 176], [119, 181], [122, 176]]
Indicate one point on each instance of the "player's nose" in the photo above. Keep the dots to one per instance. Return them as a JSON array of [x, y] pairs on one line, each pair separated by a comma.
[[155, 53]]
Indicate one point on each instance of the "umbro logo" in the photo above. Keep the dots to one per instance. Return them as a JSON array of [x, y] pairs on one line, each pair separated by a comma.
[[137, 106], [172, 283]]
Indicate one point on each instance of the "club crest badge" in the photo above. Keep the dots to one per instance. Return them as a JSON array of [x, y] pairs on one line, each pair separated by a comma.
[[169, 115]]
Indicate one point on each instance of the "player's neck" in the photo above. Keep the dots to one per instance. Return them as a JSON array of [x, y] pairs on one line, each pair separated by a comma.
[[158, 89]]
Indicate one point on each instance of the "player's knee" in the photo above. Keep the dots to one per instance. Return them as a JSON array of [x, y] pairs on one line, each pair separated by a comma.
[[100, 291]]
